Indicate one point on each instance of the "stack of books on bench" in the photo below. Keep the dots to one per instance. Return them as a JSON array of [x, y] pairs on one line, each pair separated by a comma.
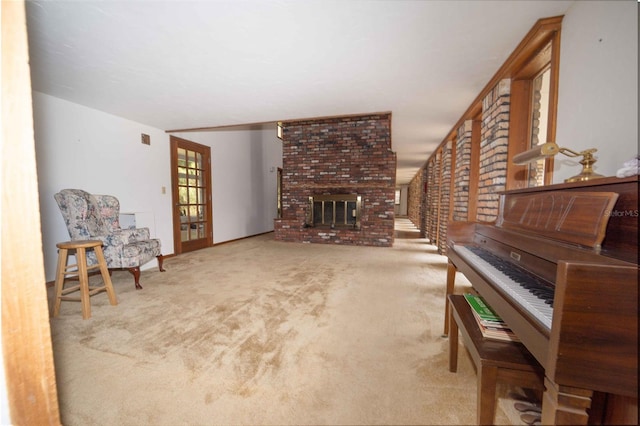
[[490, 323]]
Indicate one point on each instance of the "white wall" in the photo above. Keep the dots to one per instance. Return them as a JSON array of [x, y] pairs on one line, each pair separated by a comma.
[[401, 209], [244, 180], [80, 147], [598, 87]]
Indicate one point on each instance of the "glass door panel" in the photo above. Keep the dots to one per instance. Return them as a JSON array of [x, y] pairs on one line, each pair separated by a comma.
[[192, 200]]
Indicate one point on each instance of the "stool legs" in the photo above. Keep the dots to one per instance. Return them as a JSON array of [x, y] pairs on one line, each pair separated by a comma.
[[104, 271], [84, 282], [60, 273], [82, 273]]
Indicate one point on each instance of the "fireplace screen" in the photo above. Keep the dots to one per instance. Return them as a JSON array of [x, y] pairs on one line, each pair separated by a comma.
[[341, 210]]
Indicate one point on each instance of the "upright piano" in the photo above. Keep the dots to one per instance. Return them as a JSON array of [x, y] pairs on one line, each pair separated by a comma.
[[560, 265]]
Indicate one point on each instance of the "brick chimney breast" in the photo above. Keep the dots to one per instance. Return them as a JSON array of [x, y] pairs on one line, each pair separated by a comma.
[[332, 156]]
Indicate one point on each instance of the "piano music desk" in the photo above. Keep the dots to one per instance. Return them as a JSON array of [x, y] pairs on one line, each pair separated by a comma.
[[495, 360]]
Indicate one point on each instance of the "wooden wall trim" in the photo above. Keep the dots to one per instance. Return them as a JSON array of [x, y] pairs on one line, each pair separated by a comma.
[[261, 124], [518, 132], [540, 34]]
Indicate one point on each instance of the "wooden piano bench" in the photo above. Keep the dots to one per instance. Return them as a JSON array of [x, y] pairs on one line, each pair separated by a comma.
[[495, 360]]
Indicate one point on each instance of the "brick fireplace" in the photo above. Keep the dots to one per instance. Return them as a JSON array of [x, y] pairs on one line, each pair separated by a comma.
[[338, 181]]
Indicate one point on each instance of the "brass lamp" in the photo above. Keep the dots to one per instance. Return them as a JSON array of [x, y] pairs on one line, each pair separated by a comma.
[[550, 149]]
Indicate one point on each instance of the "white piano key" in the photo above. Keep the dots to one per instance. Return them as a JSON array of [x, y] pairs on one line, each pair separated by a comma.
[[520, 295]]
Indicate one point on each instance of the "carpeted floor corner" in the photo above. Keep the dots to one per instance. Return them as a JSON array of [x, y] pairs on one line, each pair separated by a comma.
[[261, 332]]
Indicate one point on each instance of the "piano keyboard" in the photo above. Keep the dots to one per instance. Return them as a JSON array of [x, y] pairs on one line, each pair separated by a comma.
[[524, 289]]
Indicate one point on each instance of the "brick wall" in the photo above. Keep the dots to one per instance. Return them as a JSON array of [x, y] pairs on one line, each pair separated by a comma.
[[424, 172], [493, 150], [446, 164], [536, 170], [445, 195], [433, 195], [342, 155], [462, 172], [415, 200]]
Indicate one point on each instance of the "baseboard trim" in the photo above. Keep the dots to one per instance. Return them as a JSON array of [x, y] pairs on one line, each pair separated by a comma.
[[50, 284], [242, 238]]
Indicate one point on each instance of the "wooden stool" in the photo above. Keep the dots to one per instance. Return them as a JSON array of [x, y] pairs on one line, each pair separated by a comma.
[[495, 360], [81, 271]]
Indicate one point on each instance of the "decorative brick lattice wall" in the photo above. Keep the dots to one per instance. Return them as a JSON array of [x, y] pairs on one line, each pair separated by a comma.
[[415, 200], [462, 172], [433, 195], [343, 155], [493, 150], [536, 138], [423, 204], [445, 196]]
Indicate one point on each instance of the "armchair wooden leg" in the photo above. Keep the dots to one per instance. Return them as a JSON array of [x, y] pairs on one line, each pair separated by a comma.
[[136, 276], [160, 260], [136, 271]]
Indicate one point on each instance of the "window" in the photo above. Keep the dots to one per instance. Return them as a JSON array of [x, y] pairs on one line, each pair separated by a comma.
[[534, 88], [539, 124]]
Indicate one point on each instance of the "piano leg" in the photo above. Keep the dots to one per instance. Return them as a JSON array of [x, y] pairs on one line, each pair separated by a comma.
[[451, 278], [563, 405]]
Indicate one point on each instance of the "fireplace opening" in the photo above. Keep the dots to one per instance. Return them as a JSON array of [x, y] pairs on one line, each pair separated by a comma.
[[335, 211]]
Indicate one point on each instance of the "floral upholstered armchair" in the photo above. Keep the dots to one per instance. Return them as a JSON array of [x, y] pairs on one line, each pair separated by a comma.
[[97, 217]]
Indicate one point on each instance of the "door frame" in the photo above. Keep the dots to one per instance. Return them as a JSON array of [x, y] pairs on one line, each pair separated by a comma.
[[178, 245], [27, 372]]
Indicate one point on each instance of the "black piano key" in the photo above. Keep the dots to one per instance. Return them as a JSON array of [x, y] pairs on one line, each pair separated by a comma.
[[524, 278]]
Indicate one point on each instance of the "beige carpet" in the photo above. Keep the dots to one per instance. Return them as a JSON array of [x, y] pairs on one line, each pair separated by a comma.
[[263, 332]]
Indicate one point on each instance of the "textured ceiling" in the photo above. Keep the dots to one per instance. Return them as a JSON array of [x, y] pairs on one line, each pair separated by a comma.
[[193, 64]]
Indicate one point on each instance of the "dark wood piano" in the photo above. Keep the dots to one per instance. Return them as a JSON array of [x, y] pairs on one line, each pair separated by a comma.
[[560, 265]]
